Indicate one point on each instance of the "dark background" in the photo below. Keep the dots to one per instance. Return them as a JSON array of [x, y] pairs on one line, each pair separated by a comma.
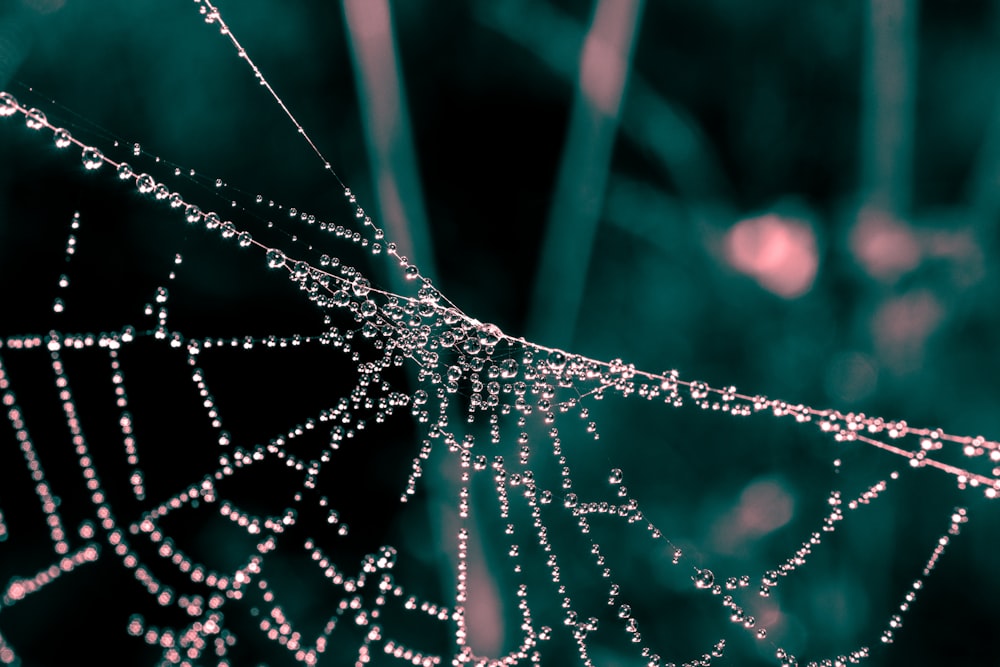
[[732, 112]]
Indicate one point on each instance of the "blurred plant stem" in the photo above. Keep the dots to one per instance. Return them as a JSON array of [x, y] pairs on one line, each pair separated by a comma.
[[604, 66], [888, 94]]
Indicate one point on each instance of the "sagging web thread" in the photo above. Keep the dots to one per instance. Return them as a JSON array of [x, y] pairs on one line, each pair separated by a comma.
[[462, 370]]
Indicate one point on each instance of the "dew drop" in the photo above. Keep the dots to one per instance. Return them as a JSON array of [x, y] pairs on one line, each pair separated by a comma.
[[361, 287], [92, 158], [703, 578], [145, 183], [62, 138], [8, 105], [35, 119], [275, 258], [616, 476]]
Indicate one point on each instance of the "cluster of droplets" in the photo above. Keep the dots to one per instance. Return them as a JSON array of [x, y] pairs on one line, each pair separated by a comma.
[[616, 375], [461, 366], [59, 304], [459, 359]]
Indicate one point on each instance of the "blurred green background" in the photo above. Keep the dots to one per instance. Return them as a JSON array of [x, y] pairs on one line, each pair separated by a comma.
[[796, 198]]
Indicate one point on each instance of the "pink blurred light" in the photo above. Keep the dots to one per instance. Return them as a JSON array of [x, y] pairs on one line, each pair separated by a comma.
[[765, 505], [604, 59], [902, 325], [779, 253], [885, 247], [16, 591]]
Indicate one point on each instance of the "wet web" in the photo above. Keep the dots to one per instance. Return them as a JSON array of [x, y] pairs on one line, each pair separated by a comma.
[[259, 497]]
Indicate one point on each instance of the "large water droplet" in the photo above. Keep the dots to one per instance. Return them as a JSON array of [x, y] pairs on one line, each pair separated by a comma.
[[92, 158], [35, 119], [361, 287], [145, 183], [62, 138], [703, 578], [275, 258], [8, 105]]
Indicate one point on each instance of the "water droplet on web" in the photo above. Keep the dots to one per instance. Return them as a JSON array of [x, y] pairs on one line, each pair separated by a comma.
[[703, 578], [361, 287], [92, 158], [275, 258], [62, 138], [125, 171], [35, 119], [8, 105], [145, 183], [616, 476], [244, 239]]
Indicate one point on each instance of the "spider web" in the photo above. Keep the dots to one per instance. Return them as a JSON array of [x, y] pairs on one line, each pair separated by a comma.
[[274, 493]]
